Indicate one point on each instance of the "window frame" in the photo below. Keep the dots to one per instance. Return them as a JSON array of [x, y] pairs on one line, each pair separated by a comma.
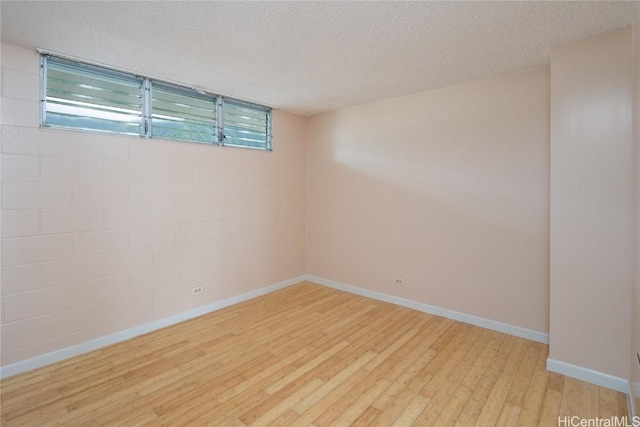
[[269, 127], [146, 110], [108, 76]]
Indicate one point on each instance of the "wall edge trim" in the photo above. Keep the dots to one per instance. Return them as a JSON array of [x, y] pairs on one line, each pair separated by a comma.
[[588, 375], [634, 390]]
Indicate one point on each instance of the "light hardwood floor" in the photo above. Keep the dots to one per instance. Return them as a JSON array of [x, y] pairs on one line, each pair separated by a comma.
[[307, 355]]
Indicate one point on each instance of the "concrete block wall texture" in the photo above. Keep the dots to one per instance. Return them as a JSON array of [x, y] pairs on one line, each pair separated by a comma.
[[101, 233]]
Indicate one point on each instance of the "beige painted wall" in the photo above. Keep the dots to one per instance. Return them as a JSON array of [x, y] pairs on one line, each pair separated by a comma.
[[446, 189], [592, 202], [104, 233]]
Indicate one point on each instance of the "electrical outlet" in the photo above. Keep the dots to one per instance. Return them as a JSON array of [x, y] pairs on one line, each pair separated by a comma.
[[197, 290], [399, 281]]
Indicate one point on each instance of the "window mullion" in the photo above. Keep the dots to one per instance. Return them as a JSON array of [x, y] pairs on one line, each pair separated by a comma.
[[146, 109], [220, 119], [269, 130], [43, 90]]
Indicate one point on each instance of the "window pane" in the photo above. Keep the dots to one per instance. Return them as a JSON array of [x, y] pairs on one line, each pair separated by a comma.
[[81, 96], [246, 125], [183, 114]]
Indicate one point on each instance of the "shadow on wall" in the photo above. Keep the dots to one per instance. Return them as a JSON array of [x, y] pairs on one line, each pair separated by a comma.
[[454, 202]]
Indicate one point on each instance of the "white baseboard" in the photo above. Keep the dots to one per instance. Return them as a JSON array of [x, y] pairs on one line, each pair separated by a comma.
[[438, 311], [599, 378], [78, 349], [584, 374], [633, 394], [588, 375]]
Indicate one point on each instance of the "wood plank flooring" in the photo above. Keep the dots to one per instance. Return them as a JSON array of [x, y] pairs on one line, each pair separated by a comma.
[[307, 355]]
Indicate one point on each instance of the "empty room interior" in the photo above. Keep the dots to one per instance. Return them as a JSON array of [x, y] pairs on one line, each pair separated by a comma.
[[320, 213]]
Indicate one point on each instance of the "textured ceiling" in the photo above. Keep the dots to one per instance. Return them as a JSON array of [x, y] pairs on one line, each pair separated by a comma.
[[309, 57]]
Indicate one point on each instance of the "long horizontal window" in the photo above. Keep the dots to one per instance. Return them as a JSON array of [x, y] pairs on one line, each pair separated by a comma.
[[76, 95]]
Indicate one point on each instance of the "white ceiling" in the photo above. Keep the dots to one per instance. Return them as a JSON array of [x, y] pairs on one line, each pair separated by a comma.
[[309, 57]]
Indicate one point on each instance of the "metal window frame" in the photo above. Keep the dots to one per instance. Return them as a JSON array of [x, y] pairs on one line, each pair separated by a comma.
[[220, 120], [147, 126], [269, 131], [43, 90], [147, 91]]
